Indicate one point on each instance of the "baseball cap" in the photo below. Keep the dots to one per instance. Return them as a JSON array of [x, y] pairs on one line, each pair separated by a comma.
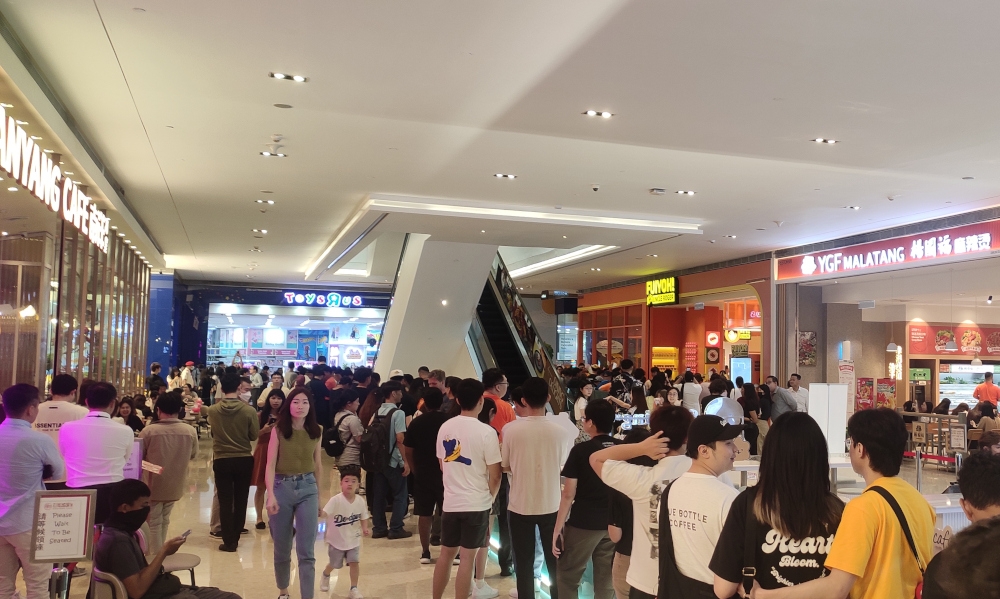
[[189, 363], [395, 372], [708, 429]]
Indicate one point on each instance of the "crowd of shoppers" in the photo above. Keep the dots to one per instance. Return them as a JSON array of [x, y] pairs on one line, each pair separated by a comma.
[[480, 458]]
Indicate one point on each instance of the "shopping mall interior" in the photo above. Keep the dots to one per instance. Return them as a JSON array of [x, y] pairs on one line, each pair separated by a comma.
[[737, 190]]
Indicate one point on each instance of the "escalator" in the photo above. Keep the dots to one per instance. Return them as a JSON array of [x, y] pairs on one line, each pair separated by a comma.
[[503, 335]]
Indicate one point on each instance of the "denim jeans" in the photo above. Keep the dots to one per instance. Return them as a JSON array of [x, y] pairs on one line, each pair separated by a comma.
[[298, 500], [390, 481]]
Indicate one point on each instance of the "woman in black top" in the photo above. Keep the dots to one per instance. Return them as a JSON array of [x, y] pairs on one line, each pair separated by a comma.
[[126, 415], [791, 502]]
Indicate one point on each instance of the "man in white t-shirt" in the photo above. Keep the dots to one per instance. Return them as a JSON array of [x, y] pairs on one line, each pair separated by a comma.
[[699, 501], [801, 394], [469, 451], [644, 485], [52, 414], [534, 450]]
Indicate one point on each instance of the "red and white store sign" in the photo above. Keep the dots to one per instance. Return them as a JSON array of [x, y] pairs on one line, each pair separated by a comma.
[[947, 245]]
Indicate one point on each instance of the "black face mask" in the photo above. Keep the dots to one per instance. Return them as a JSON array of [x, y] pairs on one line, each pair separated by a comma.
[[128, 521]]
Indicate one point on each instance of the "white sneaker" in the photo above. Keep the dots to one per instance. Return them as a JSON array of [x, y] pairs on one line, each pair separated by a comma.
[[324, 585], [355, 594], [485, 591]]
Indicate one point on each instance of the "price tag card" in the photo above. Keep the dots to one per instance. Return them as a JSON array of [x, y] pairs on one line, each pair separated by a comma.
[[64, 522]]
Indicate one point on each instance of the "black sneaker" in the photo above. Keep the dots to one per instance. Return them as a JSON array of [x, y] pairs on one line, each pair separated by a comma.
[[425, 557], [215, 535], [402, 533], [244, 532], [261, 526], [436, 541], [227, 548], [380, 535]]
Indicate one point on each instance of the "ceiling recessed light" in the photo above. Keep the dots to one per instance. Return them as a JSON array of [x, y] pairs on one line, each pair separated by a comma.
[[652, 256], [127, 240], [444, 302], [286, 76], [601, 113], [685, 193], [282, 105], [823, 140], [6, 105], [483, 231], [852, 207], [121, 235], [503, 176], [731, 236], [22, 122], [68, 173], [11, 189], [968, 178], [657, 191], [711, 241], [4, 233], [270, 202], [273, 154], [263, 231], [114, 227], [564, 237], [255, 249], [47, 151], [35, 137]]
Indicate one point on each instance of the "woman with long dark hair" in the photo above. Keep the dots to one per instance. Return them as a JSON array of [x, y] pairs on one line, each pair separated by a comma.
[[943, 406], [690, 393], [751, 412], [126, 415], [268, 416], [293, 464], [349, 427], [659, 381], [989, 420], [792, 512], [206, 386]]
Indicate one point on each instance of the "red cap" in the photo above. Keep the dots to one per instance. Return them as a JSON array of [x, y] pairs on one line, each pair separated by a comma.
[[189, 363]]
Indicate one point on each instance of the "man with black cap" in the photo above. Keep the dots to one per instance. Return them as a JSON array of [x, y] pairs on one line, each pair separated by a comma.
[[698, 503]]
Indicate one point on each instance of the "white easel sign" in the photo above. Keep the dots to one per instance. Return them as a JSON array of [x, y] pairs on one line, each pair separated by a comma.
[[64, 522]]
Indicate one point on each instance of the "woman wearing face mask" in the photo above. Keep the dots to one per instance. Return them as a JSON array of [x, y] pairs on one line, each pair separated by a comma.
[[268, 416], [293, 463]]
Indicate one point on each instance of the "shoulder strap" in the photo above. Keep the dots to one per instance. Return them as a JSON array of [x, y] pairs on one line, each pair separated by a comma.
[[902, 521], [336, 426], [750, 544]]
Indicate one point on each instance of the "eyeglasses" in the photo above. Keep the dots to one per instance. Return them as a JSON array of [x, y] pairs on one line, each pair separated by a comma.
[[505, 383]]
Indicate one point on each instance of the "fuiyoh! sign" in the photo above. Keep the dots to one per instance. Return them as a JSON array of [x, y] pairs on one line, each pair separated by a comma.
[[27, 164]]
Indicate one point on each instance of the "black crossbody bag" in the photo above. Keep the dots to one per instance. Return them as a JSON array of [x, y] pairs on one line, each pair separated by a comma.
[[673, 584]]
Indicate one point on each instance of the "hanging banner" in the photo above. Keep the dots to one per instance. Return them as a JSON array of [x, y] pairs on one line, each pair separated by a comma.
[[931, 339]]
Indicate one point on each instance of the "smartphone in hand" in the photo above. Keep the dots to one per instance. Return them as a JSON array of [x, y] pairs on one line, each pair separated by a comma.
[[186, 533]]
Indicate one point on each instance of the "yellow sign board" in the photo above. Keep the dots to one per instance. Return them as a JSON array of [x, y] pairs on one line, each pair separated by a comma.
[[661, 292]]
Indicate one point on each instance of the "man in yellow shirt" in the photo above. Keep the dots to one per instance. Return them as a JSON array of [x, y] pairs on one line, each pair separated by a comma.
[[870, 557]]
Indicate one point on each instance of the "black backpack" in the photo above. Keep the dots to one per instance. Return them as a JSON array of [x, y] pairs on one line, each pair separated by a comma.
[[376, 443], [333, 443]]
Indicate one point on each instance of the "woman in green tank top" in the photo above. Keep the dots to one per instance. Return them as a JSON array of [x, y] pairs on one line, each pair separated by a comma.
[[293, 464]]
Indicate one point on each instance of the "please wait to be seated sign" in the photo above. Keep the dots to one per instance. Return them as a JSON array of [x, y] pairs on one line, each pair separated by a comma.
[[64, 522]]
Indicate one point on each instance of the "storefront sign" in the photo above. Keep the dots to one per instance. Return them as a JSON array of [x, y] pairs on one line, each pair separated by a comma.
[[734, 335], [25, 162], [661, 292], [931, 339], [712, 339], [947, 245], [331, 300], [741, 350], [920, 374]]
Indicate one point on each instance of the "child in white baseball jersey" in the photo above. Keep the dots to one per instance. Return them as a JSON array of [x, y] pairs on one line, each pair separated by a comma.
[[347, 520]]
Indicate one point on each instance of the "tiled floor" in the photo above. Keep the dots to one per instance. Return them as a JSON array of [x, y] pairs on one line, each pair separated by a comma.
[[389, 569]]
